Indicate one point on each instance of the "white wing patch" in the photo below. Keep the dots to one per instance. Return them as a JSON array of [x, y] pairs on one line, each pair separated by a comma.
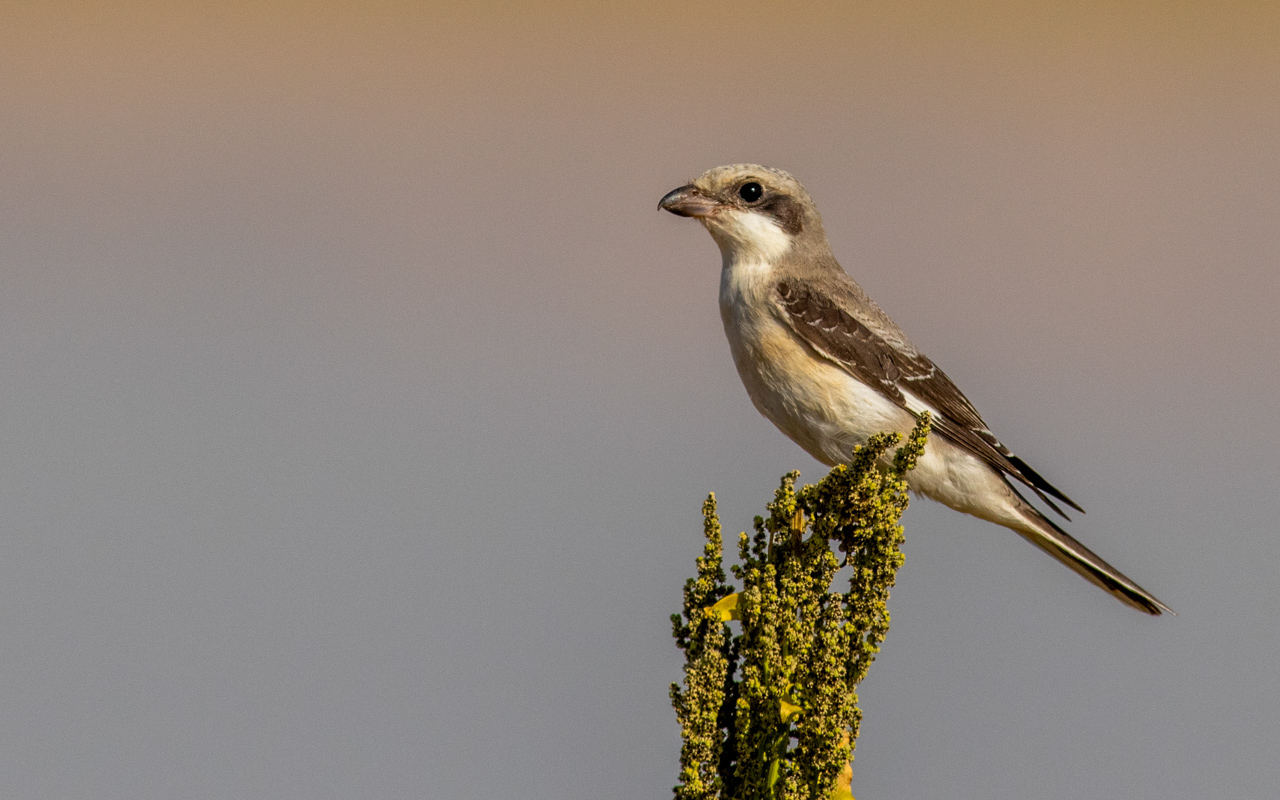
[[915, 405]]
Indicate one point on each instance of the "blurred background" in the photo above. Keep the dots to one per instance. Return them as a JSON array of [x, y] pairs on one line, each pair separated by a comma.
[[358, 404]]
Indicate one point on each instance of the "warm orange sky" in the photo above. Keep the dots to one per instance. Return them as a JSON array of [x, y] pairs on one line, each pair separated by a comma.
[[1098, 104], [131, 56]]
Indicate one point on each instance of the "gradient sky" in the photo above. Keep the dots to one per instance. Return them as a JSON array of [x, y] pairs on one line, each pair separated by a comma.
[[358, 403]]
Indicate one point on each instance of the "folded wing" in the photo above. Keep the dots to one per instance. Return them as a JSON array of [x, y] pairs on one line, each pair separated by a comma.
[[905, 376]]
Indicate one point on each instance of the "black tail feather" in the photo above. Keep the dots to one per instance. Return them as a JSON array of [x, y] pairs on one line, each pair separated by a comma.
[[1064, 547]]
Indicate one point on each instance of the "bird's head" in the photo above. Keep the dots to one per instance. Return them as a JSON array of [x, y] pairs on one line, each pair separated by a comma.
[[750, 211]]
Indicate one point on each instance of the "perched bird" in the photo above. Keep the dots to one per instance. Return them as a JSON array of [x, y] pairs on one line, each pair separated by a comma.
[[822, 362]]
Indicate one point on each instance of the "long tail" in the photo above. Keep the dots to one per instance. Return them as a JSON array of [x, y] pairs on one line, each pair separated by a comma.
[[1043, 533]]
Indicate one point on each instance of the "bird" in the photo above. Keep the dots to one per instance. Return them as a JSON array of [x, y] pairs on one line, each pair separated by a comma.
[[823, 363]]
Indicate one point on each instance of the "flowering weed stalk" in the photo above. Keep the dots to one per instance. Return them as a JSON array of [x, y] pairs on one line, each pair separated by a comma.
[[772, 712]]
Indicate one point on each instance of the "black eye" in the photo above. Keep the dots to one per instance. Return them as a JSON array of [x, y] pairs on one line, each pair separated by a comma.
[[751, 191]]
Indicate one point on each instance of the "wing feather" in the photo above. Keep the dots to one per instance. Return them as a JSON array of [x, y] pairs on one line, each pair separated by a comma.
[[905, 376]]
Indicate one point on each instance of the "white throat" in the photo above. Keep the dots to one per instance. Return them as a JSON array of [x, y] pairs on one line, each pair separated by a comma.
[[751, 246], [748, 236]]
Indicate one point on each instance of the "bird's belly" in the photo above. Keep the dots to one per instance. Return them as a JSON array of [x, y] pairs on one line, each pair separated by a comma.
[[828, 412], [816, 403]]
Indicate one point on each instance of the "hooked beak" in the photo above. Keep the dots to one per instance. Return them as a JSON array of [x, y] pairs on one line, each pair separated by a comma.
[[688, 201]]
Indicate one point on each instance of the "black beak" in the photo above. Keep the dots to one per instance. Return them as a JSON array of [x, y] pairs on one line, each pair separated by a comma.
[[688, 201]]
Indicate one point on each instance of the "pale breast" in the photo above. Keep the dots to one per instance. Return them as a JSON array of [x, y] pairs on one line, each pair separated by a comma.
[[816, 403]]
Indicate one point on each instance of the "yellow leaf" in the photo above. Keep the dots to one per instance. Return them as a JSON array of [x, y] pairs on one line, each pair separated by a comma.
[[726, 609], [789, 711]]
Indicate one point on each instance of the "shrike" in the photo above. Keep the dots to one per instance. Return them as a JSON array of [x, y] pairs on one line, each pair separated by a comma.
[[822, 362]]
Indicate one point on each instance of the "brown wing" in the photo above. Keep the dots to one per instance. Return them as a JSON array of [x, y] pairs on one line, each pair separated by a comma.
[[839, 336]]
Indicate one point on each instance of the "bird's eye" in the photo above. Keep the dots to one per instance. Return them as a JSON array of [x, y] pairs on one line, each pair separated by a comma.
[[750, 191]]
